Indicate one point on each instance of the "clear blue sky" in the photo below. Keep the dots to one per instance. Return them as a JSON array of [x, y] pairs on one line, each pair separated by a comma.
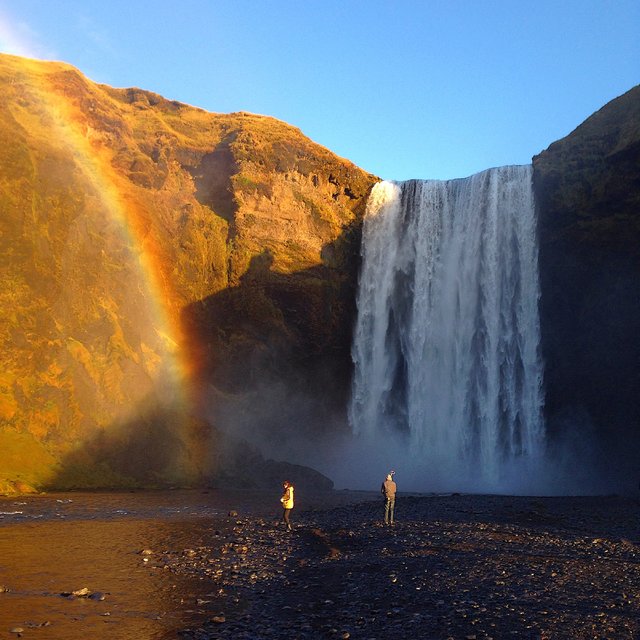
[[405, 89]]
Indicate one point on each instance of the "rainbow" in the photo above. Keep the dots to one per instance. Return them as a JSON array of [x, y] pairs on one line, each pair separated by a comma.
[[128, 209], [94, 160]]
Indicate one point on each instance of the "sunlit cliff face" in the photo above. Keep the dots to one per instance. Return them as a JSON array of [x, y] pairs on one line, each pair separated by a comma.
[[92, 332], [130, 228]]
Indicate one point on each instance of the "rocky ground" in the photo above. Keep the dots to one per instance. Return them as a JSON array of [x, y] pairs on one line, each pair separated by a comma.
[[463, 567]]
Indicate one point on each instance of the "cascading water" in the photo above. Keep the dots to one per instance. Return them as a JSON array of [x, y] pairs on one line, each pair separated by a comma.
[[446, 346]]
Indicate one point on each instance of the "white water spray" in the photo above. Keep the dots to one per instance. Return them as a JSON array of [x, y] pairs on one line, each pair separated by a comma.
[[446, 347]]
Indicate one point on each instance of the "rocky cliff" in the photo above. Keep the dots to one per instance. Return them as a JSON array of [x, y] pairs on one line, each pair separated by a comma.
[[588, 194], [172, 276], [165, 270]]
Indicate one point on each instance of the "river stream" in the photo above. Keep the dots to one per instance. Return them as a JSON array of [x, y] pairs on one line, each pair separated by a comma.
[[60, 543]]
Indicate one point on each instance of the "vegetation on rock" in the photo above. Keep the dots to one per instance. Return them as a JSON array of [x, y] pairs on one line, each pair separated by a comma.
[[171, 275], [142, 241]]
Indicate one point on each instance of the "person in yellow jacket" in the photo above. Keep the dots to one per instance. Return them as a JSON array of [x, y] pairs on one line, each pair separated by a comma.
[[287, 503]]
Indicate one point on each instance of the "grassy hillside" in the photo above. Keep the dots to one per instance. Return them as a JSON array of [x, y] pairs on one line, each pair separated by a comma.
[[150, 250]]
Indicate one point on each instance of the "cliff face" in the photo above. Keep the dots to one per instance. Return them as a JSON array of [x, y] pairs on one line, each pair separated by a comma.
[[169, 275], [588, 193], [161, 266]]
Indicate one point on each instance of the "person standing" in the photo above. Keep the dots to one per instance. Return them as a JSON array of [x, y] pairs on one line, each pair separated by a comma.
[[287, 503], [388, 490]]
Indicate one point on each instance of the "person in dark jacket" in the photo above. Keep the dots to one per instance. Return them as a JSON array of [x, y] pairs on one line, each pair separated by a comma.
[[388, 490]]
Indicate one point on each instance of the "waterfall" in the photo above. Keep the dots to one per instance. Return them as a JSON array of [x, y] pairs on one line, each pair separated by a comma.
[[448, 373]]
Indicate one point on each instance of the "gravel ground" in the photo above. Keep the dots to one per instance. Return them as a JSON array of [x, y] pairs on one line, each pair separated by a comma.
[[461, 567]]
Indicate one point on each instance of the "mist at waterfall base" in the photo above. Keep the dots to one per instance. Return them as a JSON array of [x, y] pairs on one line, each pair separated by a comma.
[[448, 379]]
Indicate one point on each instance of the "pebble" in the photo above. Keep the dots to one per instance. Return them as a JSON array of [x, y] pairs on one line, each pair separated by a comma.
[[460, 567]]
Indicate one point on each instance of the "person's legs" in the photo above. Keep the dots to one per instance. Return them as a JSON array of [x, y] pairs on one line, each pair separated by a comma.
[[285, 518], [387, 505], [392, 506]]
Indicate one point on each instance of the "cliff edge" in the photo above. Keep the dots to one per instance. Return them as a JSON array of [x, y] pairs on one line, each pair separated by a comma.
[[587, 189]]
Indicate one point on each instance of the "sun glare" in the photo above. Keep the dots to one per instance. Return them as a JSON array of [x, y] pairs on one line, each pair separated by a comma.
[[19, 39]]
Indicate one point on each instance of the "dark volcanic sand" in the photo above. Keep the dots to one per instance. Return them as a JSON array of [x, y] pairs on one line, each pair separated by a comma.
[[458, 567]]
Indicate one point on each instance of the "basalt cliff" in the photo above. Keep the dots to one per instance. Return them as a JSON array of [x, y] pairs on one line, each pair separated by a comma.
[[164, 271], [178, 287], [587, 188]]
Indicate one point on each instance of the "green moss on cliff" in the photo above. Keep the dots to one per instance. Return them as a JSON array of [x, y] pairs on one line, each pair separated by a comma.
[[26, 463]]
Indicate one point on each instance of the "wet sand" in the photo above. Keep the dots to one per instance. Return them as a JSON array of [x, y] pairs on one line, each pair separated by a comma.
[[462, 567], [56, 544]]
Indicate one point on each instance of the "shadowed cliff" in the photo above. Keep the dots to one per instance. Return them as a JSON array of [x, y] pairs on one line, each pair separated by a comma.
[[587, 189], [277, 366]]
